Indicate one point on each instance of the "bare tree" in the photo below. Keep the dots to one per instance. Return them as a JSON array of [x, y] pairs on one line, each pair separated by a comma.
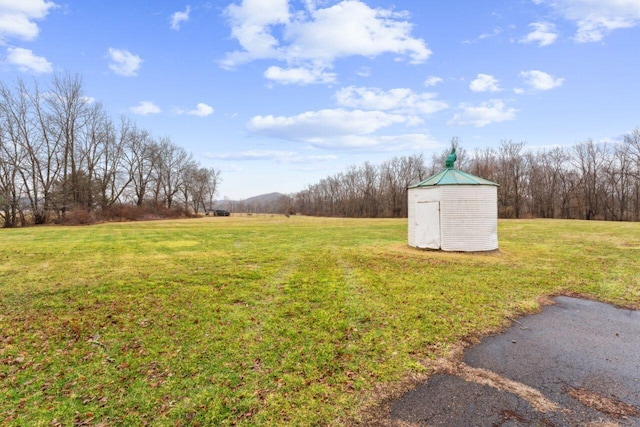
[[484, 163], [16, 175], [511, 177], [10, 187], [545, 170], [59, 150], [200, 187], [141, 158], [67, 114], [213, 180], [171, 165], [44, 154], [91, 149], [590, 160], [111, 171], [632, 143]]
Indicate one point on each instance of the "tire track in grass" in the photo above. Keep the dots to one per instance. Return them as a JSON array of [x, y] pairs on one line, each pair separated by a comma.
[[299, 343]]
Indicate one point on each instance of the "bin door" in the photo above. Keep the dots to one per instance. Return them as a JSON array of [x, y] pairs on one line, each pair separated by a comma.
[[428, 225]]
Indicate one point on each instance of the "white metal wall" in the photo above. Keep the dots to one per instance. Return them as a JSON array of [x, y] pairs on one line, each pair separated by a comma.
[[468, 216]]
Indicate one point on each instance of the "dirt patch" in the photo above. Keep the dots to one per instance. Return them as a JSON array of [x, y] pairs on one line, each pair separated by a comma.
[[603, 424], [491, 379], [587, 297], [513, 416], [612, 407]]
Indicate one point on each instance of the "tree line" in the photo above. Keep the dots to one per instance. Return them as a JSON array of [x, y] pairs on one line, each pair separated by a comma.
[[63, 159], [588, 180]]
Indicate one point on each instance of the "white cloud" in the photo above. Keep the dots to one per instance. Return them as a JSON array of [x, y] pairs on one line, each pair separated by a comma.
[[323, 158], [485, 83], [313, 38], [353, 28], [384, 143], [201, 110], [496, 32], [275, 155], [341, 129], [301, 76], [145, 108], [399, 100], [124, 62], [17, 16], [432, 81], [26, 61], [251, 24], [596, 18], [492, 111], [179, 17], [364, 72], [543, 33], [323, 123], [254, 155], [539, 80]]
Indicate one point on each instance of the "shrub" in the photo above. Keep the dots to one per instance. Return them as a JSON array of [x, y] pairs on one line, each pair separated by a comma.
[[78, 216]]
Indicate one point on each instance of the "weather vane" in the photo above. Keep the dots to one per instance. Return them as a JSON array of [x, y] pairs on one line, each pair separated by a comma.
[[451, 158]]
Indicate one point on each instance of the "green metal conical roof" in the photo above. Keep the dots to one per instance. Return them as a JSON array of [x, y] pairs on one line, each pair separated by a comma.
[[452, 176]]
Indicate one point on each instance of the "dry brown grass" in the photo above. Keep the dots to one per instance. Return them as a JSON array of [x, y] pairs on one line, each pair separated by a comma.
[[613, 407]]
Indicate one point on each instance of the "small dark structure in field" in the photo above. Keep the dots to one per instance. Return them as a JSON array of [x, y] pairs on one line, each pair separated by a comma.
[[453, 211]]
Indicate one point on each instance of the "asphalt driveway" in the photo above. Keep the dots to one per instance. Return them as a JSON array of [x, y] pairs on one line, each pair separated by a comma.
[[576, 363]]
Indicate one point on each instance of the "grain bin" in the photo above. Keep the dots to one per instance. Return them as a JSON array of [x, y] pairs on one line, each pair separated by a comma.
[[453, 211]]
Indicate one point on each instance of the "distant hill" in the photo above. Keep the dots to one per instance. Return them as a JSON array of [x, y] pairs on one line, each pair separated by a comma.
[[264, 198], [263, 203]]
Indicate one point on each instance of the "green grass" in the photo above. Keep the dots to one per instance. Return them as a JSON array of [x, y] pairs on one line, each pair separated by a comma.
[[264, 320]]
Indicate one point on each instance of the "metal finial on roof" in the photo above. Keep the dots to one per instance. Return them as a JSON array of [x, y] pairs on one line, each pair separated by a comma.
[[451, 158]]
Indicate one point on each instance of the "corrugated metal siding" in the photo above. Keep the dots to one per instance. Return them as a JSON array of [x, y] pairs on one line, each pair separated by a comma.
[[469, 218]]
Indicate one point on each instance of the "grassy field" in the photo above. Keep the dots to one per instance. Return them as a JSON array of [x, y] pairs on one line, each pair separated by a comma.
[[265, 320]]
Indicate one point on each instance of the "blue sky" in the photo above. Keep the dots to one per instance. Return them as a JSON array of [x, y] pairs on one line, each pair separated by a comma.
[[279, 94]]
